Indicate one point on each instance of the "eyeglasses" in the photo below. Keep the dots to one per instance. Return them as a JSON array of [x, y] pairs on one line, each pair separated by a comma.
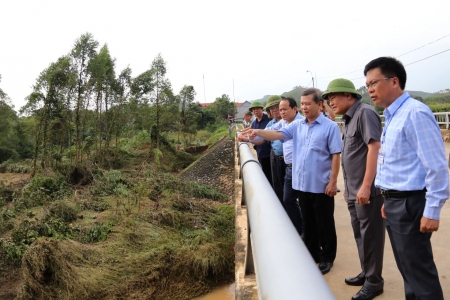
[[374, 82]]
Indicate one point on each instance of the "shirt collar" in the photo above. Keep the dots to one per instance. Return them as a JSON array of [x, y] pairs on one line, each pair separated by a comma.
[[263, 118], [349, 114], [298, 116], [391, 109], [319, 119]]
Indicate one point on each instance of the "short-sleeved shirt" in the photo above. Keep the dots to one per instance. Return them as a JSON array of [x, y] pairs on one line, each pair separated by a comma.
[[277, 145], [263, 150], [314, 145], [362, 124]]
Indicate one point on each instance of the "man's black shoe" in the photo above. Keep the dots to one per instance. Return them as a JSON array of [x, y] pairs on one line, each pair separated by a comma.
[[357, 280], [325, 267], [367, 294]]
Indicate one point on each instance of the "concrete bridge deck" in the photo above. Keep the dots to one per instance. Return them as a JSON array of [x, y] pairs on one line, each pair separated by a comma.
[[347, 263]]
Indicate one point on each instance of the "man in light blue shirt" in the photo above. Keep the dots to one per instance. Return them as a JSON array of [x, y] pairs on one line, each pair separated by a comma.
[[288, 112], [412, 175], [316, 158]]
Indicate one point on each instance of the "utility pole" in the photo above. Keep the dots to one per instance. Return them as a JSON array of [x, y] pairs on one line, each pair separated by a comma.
[[234, 99], [204, 90], [312, 77]]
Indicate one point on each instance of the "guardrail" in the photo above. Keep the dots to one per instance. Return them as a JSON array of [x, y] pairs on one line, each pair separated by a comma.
[[283, 267], [442, 118]]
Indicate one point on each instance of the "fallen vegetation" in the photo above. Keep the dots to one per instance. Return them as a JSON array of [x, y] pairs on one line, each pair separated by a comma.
[[134, 233]]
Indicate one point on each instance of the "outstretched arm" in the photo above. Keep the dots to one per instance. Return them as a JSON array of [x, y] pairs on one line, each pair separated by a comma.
[[269, 135]]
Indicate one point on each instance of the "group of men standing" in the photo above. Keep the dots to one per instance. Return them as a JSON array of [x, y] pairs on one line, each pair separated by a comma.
[[396, 177]]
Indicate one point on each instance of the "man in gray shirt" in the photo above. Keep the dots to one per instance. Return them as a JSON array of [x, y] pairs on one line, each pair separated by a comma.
[[361, 142]]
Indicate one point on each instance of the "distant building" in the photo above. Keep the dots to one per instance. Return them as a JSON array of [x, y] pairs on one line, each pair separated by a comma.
[[242, 107]]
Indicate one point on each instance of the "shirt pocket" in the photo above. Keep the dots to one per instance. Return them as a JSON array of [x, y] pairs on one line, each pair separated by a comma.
[[351, 139], [319, 144], [396, 144]]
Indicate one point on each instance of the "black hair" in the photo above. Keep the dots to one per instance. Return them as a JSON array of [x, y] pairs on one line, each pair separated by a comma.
[[292, 102], [317, 94], [389, 67]]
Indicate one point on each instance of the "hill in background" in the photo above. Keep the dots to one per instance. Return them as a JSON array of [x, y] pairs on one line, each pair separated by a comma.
[[442, 96]]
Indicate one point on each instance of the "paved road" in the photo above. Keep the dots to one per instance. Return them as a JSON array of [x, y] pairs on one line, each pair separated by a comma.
[[347, 265]]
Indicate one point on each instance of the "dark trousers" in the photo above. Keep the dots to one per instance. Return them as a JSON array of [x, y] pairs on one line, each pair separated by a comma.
[[291, 204], [369, 232], [412, 249], [278, 169], [265, 165], [320, 231]]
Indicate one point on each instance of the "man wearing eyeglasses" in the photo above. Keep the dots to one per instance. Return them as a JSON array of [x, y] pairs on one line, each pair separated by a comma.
[[411, 174], [360, 144]]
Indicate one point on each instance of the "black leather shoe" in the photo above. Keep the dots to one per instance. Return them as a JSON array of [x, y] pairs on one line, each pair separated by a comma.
[[367, 294], [325, 267], [357, 280]]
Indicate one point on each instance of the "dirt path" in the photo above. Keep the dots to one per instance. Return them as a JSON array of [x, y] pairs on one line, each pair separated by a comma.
[[14, 178]]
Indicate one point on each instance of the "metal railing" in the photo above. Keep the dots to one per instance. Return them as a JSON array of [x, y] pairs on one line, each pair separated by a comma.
[[283, 267], [442, 118]]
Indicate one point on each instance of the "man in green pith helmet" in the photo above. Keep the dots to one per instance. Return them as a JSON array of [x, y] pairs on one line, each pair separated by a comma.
[[360, 144], [276, 153], [263, 149]]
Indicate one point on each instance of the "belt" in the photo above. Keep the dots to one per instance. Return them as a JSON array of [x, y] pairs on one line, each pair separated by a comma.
[[280, 157], [289, 166], [399, 194]]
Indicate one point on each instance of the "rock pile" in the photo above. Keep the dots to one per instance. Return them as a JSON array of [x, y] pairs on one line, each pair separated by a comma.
[[215, 168]]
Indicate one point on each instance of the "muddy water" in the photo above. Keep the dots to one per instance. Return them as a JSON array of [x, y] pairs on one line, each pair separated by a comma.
[[225, 292]]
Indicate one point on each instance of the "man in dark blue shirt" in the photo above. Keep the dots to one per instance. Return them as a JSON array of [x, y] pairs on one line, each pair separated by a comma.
[[263, 149]]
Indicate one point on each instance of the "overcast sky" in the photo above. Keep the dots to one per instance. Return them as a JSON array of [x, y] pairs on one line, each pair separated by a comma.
[[265, 47]]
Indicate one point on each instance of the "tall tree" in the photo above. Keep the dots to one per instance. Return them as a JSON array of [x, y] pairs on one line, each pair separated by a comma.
[[101, 68], [123, 96], [46, 103], [8, 119], [161, 88], [188, 116], [82, 52]]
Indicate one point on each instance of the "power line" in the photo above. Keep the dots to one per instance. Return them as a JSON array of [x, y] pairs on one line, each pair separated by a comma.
[[424, 45], [427, 57], [396, 56], [413, 61]]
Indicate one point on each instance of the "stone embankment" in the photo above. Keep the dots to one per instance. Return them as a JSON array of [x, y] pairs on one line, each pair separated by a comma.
[[215, 168]]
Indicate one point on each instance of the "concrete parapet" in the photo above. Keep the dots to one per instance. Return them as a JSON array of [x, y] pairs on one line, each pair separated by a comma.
[[245, 284]]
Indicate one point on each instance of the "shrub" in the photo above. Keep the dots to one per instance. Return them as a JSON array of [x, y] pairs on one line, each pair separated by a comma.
[[43, 189], [6, 154], [63, 211], [97, 233]]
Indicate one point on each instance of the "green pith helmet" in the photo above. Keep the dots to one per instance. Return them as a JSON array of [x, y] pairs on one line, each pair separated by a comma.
[[273, 100], [341, 85], [255, 104]]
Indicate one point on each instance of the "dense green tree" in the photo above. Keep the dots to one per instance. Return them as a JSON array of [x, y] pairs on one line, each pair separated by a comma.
[[8, 119], [46, 104], [122, 94], [223, 107], [189, 116]]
